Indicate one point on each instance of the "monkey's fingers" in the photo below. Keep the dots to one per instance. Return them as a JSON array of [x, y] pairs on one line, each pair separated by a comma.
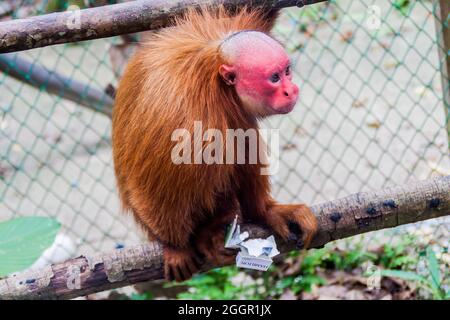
[[189, 269], [293, 222], [224, 255], [307, 222], [228, 252], [197, 261], [221, 255], [185, 272], [227, 256], [217, 253], [212, 248], [168, 273], [180, 263], [192, 265], [177, 273]]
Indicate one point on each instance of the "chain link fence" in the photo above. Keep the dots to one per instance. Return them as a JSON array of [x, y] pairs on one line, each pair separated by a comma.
[[371, 114]]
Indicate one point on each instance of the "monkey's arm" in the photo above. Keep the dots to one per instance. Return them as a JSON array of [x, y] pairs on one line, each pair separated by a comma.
[[286, 220]]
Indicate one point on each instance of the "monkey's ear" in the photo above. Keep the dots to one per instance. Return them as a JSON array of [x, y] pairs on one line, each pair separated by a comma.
[[228, 74]]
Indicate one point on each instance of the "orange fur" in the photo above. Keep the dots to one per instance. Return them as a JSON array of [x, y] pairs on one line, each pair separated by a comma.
[[172, 81]]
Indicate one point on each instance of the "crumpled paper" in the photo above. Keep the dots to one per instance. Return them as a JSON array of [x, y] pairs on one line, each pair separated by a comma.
[[254, 254]]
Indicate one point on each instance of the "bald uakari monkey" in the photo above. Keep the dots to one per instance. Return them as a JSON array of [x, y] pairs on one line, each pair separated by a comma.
[[225, 70]]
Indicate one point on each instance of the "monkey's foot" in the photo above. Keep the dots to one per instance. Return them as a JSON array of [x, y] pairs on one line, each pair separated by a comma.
[[211, 243], [293, 222], [180, 264]]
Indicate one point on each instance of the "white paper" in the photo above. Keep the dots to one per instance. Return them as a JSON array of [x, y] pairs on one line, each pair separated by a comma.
[[255, 263], [258, 247], [254, 253]]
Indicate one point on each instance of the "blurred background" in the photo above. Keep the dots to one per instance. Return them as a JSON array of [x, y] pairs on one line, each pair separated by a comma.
[[371, 114]]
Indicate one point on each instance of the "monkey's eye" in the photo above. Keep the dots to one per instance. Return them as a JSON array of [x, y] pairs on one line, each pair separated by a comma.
[[288, 70], [275, 78]]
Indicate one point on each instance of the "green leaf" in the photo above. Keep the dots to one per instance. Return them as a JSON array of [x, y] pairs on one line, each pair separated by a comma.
[[285, 282], [143, 296], [405, 275], [23, 240], [402, 6], [433, 266]]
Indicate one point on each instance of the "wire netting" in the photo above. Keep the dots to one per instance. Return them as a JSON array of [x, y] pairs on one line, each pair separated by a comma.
[[371, 114]]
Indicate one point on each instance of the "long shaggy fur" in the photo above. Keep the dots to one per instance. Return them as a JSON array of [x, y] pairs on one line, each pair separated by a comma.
[[172, 81]]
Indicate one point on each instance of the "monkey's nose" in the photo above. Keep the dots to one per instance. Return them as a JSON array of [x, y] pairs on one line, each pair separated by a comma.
[[290, 91]]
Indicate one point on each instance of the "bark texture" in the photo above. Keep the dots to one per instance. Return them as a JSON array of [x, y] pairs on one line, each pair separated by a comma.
[[352, 215], [56, 83], [108, 21]]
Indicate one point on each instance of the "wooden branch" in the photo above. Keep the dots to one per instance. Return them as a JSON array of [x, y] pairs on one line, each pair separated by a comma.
[[355, 214], [55, 83], [108, 21]]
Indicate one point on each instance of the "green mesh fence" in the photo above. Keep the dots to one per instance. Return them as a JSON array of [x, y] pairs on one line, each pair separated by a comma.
[[371, 114]]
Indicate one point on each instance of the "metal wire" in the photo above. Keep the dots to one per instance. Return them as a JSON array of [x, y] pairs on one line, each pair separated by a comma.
[[371, 114]]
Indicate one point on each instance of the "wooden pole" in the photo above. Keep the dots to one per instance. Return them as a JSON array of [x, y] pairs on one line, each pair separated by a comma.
[[355, 214], [108, 21], [56, 83]]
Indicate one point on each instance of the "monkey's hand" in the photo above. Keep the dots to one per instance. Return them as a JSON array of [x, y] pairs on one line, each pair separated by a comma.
[[180, 263], [211, 243], [293, 222]]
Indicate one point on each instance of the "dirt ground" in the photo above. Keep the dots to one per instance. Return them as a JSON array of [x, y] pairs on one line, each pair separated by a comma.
[[370, 115]]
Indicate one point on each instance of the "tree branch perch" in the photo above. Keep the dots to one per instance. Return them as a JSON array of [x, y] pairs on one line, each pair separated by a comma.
[[109, 21], [338, 219], [56, 83]]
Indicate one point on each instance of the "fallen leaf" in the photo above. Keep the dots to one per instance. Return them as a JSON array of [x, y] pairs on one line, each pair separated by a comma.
[[324, 297], [308, 296], [347, 36], [374, 124], [289, 146], [301, 132], [421, 91], [391, 65], [436, 168], [4, 125], [307, 31], [288, 295], [298, 47], [393, 285], [355, 295], [359, 103], [16, 147], [385, 45], [333, 291]]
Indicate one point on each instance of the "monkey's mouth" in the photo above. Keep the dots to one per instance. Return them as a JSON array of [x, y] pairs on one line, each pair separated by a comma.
[[285, 108], [288, 108]]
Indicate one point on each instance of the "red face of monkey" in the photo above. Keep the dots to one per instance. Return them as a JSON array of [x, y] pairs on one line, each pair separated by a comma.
[[259, 68]]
